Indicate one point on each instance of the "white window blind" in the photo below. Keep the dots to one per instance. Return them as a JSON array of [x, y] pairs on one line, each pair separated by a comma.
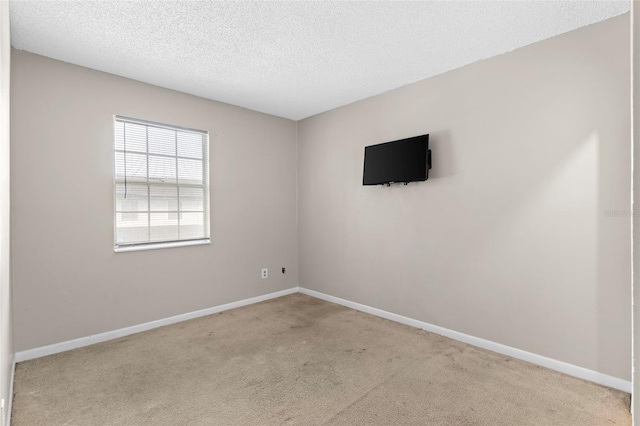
[[161, 184]]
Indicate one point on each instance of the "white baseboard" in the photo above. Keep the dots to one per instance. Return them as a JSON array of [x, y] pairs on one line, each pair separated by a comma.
[[10, 402], [563, 367], [114, 334]]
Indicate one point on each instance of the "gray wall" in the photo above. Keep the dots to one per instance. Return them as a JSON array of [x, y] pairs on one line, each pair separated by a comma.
[[6, 328], [509, 239], [68, 282]]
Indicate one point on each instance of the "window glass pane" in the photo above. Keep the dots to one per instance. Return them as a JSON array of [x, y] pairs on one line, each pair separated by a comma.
[[191, 199], [119, 135], [164, 197], [136, 197], [189, 171], [192, 225], [162, 141], [162, 169], [131, 229], [134, 137], [189, 145], [164, 227], [136, 166]]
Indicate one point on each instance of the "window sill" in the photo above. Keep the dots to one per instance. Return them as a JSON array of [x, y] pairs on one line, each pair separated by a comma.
[[154, 246]]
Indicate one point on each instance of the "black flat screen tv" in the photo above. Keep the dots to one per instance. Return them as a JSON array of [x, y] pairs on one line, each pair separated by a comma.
[[405, 160]]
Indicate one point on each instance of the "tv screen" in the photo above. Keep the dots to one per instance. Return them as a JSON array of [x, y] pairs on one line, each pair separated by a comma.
[[405, 160]]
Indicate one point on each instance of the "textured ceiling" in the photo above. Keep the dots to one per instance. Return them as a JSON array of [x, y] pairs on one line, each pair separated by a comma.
[[290, 59]]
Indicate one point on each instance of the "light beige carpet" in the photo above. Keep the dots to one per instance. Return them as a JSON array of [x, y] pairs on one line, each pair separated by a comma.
[[299, 360]]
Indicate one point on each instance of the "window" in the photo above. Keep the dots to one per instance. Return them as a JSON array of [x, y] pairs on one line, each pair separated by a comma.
[[161, 185]]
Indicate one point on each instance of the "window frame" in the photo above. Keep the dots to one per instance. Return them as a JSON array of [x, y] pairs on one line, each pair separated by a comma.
[[205, 187]]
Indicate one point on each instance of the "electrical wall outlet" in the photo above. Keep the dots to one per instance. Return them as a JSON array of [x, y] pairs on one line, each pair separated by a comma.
[[3, 415], [265, 272]]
